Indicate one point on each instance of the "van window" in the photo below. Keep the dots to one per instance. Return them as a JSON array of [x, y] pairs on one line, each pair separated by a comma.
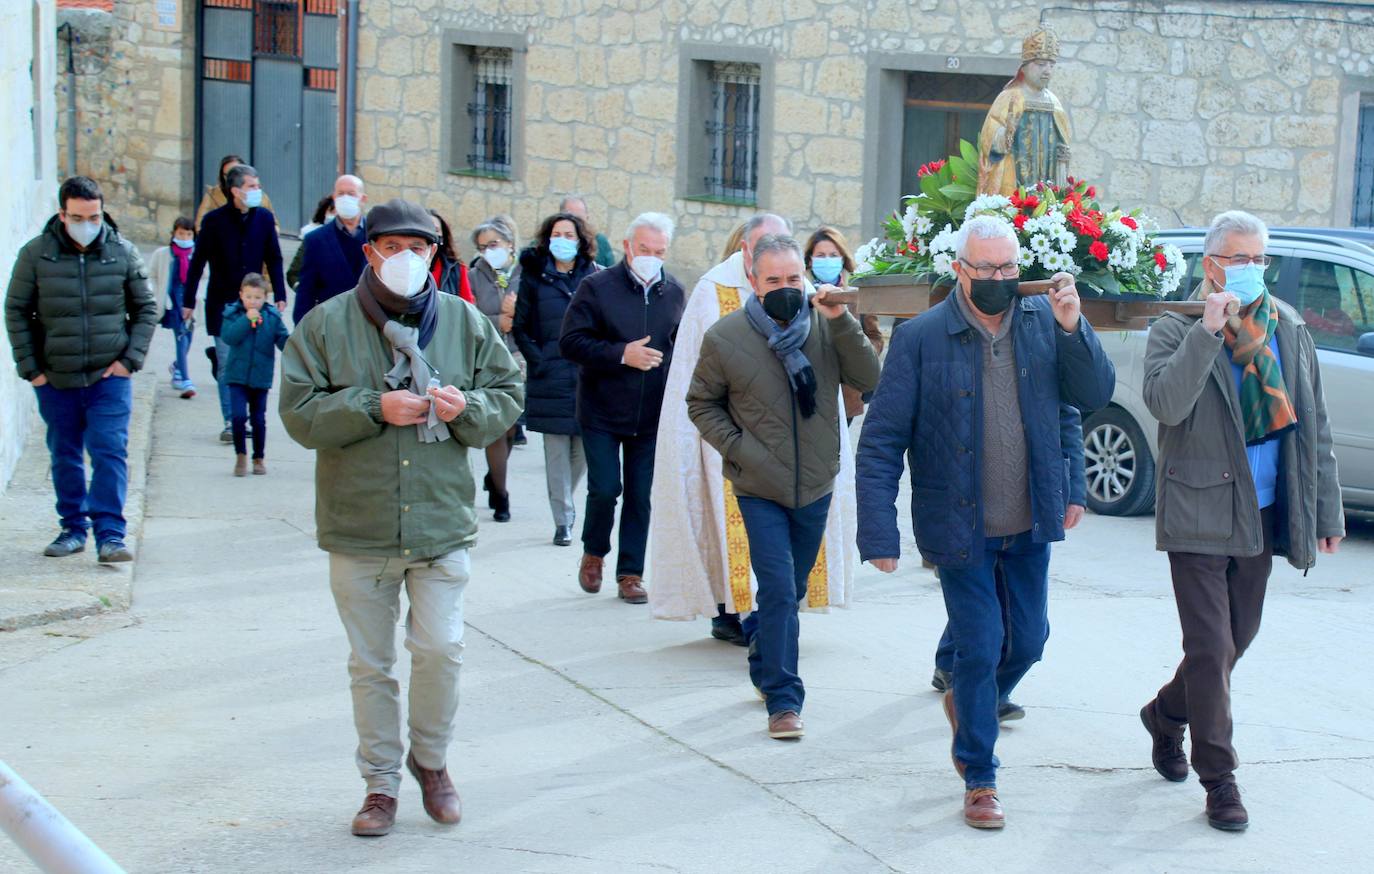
[[1336, 301]]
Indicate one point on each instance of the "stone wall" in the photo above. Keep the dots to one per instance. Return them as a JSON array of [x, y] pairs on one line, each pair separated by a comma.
[[1183, 114], [30, 188], [135, 87]]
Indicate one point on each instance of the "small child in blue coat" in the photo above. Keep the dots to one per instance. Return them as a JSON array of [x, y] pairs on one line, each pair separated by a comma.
[[254, 332]]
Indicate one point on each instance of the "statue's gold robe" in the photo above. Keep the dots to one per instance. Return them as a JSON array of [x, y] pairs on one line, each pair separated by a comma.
[[1040, 125]]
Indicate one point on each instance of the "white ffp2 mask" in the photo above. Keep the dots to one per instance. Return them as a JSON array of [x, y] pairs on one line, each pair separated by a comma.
[[404, 273]]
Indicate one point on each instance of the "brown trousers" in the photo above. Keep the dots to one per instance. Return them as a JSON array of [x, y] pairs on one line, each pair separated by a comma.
[[1220, 600]]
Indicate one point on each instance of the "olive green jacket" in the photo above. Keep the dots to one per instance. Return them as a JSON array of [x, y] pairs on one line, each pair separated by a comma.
[[742, 403], [1205, 497], [379, 491]]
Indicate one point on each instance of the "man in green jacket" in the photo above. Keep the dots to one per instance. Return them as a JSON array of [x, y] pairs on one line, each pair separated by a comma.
[[1246, 471], [766, 395], [392, 383], [80, 315]]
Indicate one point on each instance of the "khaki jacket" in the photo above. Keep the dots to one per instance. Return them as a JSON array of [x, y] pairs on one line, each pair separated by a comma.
[[741, 402], [378, 490], [1205, 497]]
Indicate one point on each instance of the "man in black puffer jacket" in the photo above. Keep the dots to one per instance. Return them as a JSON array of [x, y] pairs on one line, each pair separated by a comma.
[[620, 329], [80, 315]]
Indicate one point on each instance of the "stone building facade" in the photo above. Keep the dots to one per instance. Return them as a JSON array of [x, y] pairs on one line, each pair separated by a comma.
[[1184, 113], [27, 151], [1182, 108]]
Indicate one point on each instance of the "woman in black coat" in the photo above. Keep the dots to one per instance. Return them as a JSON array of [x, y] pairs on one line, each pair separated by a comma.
[[550, 271]]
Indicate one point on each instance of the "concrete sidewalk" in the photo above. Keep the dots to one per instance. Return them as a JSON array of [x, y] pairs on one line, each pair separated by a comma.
[[35, 590], [209, 729]]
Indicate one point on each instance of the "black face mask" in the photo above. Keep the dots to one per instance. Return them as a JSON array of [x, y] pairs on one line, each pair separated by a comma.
[[992, 296], [783, 304]]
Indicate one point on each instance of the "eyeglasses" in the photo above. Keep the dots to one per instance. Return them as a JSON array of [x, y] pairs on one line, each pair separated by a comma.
[[1242, 260], [494, 244], [989, 271]]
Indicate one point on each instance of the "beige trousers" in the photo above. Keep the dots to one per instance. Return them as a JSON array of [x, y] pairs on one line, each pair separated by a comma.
[[367, 591]]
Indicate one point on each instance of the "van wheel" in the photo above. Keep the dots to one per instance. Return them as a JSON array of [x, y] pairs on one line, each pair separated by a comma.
[[1118, 464]]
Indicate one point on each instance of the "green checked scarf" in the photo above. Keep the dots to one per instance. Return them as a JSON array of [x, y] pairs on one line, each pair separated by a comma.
[[1265, 408]]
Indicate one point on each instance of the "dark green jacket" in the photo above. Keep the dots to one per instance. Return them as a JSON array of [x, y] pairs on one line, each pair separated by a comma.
[[72, 314], [378, 490], [742, 403]]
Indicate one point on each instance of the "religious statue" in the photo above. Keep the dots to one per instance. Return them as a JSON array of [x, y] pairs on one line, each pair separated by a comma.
[[1025, 138]]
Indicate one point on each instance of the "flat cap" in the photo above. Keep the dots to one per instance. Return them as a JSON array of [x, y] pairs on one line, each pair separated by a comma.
[[399, 217]]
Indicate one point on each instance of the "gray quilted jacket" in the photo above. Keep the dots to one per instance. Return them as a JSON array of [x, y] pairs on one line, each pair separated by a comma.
[[742, 403]]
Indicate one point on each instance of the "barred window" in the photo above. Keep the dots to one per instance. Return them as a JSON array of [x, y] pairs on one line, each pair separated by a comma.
[[490, 111], [733, 132], [1363, 213]]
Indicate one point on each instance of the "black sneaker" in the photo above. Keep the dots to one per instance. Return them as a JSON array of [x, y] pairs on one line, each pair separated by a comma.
[[942, 680], [1166, 752], [1007, 711], [729, 630], [114, 551], [562, 536], [1224, 810], [67, 543]]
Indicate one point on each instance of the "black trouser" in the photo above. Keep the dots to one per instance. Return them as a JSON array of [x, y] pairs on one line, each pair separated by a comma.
[[1220, 599], [604, 485], [247, 403]]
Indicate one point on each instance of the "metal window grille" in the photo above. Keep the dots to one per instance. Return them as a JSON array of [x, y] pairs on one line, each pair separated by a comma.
[[277, 28], [228, 71], [1363, 216], [490, 111], [733, 132], [321, 79]]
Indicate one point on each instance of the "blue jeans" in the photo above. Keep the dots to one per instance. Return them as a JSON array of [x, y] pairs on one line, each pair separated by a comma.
[[999, 619], [92, 420], [182, 331], [783, 544], [944, 651], [247, 403], [602, 452], [222, 353]]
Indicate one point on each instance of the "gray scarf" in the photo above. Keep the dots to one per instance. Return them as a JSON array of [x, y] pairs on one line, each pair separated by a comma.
[[786, 343], [405, 347]]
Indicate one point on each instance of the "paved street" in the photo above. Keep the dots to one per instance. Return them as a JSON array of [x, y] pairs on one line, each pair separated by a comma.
[[209, 729]]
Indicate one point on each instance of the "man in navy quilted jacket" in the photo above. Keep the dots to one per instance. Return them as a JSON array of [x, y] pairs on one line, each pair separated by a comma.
[[972, 390]]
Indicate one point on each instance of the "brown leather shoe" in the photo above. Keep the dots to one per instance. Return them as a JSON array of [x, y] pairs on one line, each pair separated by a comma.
[[1224, 810], [632, 589], [982, 809], [259, 467], [1167, 750], [436, 789], [785, 725], [377, 816], [953, 718], [589, 574], [240, 465]]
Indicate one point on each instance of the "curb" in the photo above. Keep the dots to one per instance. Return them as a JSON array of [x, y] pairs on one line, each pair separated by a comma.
[[89, 588]]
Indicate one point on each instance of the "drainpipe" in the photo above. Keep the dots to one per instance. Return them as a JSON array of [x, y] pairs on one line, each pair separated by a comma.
[[71, 97], [45, 835], [350, 106]]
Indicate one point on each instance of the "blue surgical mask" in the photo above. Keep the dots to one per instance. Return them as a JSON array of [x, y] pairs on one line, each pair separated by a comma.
[[827, 270], [183, 244], [563, 249], [1246, 282], [253, 198]]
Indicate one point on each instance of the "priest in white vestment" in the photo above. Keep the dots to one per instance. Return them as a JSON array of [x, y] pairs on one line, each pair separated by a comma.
[[698, 551]]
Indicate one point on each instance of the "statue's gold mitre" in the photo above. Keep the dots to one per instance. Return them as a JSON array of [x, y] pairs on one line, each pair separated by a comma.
[[1043, 45]]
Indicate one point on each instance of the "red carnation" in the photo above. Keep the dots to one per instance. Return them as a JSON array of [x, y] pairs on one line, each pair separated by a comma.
[[1084, 225], [1161, 261], [1030, 203], [1098, 250], [1130, 223], [930, 169], [1091, 192], [1020, 221]]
